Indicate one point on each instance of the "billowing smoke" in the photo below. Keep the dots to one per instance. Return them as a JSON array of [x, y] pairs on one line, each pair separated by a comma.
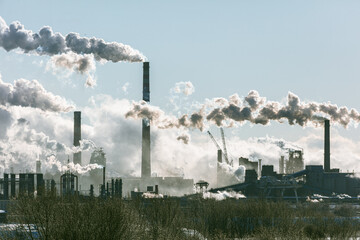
[[102, 50], [253, 99], [222, 195], [253, 109], [54, 165], [158, 117], [27, 93], [85, 145], [230, 174], [46, 42]]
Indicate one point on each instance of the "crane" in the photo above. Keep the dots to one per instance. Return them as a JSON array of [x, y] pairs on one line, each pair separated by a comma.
[[224, 144], [218, 146]]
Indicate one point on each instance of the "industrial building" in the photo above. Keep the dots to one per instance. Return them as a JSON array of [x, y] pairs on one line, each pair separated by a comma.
[[23, 184], [175, 186], [293, 179], [296, 181]]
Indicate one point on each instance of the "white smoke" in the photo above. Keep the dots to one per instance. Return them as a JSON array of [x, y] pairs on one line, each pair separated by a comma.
[[158, 117], [83, 64], [27, 93], [253, 109], [74, 62], [52, 164], [49, 43], [37, 133], [152, 195], [85, 145], [186, 88], [222, 195]]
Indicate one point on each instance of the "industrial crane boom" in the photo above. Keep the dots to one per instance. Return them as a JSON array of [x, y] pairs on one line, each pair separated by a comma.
[[217, 145], [224, 144], [213, 139]]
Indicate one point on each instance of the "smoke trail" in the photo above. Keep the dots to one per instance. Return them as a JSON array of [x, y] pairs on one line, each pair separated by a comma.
[[222, 195], [74, 62], [158, 117], [253, 109], [54, 165], [85, 145], [27, 93], [46, 42]]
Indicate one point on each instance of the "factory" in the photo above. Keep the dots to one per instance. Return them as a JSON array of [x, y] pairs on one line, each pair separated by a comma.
[[293, 180]]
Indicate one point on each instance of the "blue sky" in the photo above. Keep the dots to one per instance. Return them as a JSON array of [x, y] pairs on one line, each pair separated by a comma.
[[311, 48]]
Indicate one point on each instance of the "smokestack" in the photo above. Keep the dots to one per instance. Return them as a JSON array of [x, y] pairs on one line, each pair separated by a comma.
[[38, 166], [219, 156], [104, 173], [145, 159], [259, 168], [327, 146], [281, 165], [77, 136], [218, 168]]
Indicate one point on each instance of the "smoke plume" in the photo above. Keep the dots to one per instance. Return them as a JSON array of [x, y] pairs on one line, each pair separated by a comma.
[[222, 195], [254, 109], [46, 42], [55, 165], [27, 93], [83, 64]]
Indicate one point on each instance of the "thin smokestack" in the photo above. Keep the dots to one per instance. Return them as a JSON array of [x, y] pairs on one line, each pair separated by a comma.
[[327, 146], [145, 160], [218, 168], [77, 136], [219, 156]]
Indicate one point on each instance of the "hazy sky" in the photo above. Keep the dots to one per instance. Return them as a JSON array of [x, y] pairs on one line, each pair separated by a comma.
[[311, 48]]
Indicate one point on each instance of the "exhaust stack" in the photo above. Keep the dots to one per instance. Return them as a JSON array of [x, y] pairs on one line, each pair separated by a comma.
[[145, 158], [77, 136], [327, 146]]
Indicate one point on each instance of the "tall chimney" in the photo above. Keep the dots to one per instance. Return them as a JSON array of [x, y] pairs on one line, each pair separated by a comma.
[[145, 158], [77, 136], [327, 147]]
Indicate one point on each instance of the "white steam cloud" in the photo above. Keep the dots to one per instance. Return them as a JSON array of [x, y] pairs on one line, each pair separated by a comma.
[[83, 64], [53, 163], [222, 195], [27, 93], [253, 109], [49, 43], [26, 133]]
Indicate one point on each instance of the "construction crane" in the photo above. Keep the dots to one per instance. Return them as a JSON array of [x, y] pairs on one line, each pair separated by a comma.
[[224, 144], [218, 146]]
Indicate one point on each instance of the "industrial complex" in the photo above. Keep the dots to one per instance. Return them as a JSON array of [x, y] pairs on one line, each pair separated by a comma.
[[295, 180]]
